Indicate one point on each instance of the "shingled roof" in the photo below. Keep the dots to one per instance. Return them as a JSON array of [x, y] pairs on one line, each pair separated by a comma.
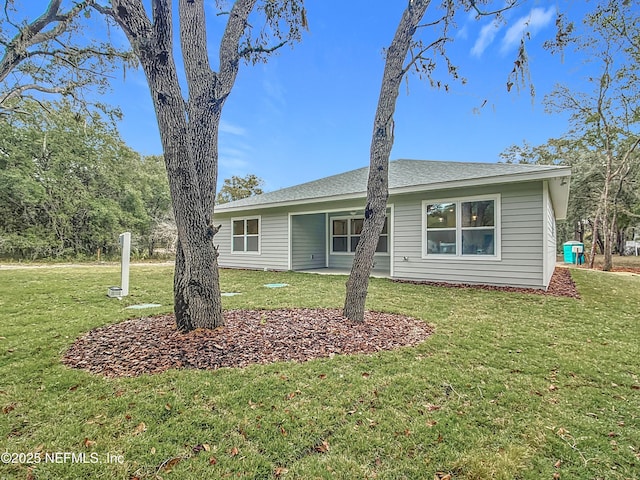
[[405, 176]]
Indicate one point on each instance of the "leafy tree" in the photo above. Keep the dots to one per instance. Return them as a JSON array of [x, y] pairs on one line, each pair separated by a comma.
[[189, 128], [69, 185], [236, 188], [153, 190], [585, 178], [606, 120], [20, 193], [408, 52], [55, 159], [189, 123], [555, 152]]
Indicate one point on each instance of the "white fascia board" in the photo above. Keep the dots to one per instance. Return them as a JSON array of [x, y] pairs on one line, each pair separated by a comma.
[[559, 193]]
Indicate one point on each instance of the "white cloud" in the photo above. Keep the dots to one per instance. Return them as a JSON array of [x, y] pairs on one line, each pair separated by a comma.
[[234, 151], [537, 19], [235, 159], [274, 101], [274, 89], [235, 162], [463, 33], [235, 165], [487, 34], [232, 129]]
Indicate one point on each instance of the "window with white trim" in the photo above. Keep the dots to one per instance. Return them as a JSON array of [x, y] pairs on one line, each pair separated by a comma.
[[346, 231], [245, 235], [461, 228]]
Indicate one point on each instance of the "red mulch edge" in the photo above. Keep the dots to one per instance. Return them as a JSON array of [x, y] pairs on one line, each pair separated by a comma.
[[152, 345], [560, 285]]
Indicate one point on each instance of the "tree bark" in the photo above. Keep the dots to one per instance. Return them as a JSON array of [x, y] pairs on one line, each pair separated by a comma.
[[620, 241], [608, 229], [579, 234], [381, 144], [594, 238], [188, 131], [197, 302]]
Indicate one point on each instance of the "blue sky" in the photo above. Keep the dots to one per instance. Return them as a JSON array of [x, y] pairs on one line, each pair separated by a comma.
[[308, 113]]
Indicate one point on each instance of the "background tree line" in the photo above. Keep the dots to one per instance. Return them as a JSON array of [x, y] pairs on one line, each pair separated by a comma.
[[602, 145], [588, 182], [69, 185]]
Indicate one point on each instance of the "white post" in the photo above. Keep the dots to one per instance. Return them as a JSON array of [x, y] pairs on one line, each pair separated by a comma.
[[125, 244]]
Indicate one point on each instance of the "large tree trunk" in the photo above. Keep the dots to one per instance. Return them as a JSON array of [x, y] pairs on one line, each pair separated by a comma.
[[196, 291], [381, 144], [189, 134], [621, 239], [579, 233], [196, 288], [610, 241]]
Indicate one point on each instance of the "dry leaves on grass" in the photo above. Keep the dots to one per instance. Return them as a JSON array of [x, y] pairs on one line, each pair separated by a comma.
[[153, 345]]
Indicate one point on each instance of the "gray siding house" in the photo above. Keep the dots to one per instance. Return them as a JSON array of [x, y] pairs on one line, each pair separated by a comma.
[[478, 223]]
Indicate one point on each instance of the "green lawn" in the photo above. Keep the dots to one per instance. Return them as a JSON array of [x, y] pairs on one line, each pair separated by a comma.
[[510, 386]]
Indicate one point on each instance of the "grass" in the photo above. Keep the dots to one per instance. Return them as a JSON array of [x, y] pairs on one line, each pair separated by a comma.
[[510, 386]]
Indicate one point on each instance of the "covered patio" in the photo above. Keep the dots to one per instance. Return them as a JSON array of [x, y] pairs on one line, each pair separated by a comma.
[[325, 242], [340, 271]]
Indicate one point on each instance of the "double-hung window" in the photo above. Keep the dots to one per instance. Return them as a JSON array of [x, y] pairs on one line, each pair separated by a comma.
[[442, 228], [462, 228], [345, 235], [245, 235]]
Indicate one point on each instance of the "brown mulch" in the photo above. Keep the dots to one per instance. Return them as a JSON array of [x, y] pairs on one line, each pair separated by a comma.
[[153, 345], [634, 270], [560, 285]]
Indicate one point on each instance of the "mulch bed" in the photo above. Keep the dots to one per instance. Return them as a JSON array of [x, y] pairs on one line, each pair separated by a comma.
[[560, 285], [634, 270], [152, 345]]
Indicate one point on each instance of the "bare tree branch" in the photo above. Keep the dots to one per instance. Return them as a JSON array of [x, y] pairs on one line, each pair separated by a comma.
[[419, 57], [509, 5], [19, 92], [432, 24], [32, 34], [246, 52], [42, 57], [229, 54]]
